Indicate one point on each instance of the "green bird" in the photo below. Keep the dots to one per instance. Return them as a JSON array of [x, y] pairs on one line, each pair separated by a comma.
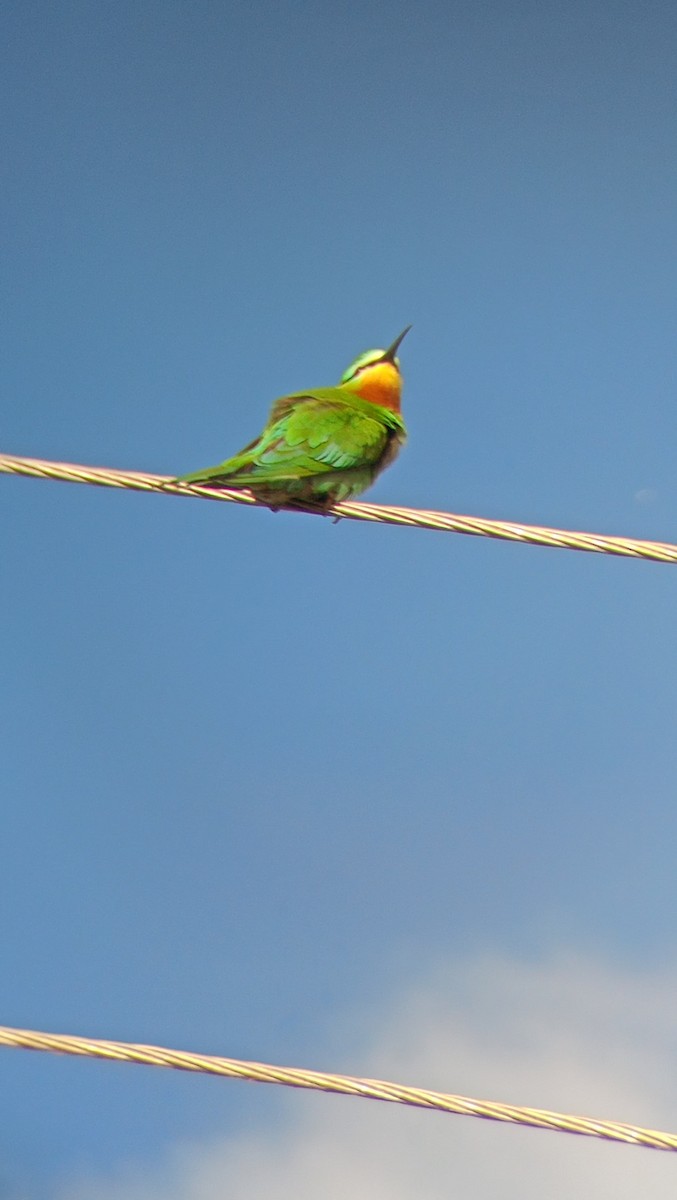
[[322, 446]]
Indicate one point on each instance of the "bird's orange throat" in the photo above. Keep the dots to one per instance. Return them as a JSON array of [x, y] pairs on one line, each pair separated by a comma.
[[379, 384]]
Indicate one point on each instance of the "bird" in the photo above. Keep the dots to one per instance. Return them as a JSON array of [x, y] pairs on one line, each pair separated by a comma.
[[322, 446]]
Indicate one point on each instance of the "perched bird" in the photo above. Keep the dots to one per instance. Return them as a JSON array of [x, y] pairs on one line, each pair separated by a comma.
[[324, 445]]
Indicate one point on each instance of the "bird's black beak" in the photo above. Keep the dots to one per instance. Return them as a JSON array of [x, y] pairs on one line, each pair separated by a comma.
[[389, 354]]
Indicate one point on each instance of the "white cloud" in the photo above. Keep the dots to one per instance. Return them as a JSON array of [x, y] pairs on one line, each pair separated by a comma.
[[565, 1034]]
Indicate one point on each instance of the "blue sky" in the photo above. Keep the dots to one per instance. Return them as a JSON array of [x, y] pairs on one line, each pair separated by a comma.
[[264, 776]]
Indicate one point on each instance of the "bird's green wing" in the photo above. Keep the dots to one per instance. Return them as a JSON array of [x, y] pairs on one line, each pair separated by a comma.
[[310, 435]]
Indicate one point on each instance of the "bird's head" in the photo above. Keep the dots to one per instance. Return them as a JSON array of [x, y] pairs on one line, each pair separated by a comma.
[[375, 375]]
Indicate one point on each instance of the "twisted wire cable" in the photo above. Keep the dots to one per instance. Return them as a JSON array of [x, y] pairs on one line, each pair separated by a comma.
[[535, 535], [347, 1085]]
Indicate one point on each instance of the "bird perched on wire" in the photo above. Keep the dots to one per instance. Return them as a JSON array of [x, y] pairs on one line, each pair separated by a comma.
[[322, 446]]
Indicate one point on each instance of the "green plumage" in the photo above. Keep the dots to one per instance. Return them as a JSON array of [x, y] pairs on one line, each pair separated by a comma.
[[317, 447]]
